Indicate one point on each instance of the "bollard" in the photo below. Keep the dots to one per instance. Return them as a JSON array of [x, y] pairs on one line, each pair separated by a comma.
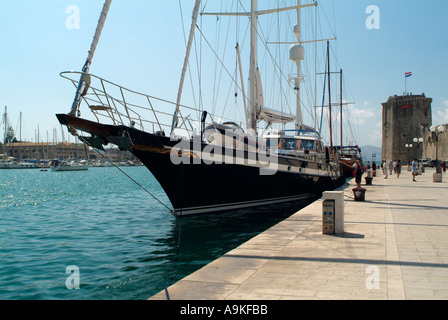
[[369, 177], [333, 199], [437, 177], [359, 193]]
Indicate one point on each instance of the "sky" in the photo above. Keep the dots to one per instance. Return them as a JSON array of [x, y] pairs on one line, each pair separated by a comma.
[[142, 48]]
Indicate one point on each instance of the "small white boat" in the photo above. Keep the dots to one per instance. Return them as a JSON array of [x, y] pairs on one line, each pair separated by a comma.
[[68, 166], [18, 165]]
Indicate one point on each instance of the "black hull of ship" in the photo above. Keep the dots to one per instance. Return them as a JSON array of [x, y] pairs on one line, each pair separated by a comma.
[[195, 187]]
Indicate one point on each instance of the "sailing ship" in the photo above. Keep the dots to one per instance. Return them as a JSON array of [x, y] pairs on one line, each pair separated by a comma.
[[347, 157], [213, 163]]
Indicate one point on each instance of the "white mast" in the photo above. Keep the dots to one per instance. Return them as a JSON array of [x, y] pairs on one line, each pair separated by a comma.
[[242, 83], [253, 106], [6, 127], [297, 54], [5, 117], [84, 82], [20, 134], [194, 19]]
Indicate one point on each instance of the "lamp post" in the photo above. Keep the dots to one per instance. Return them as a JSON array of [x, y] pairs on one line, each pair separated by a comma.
[[410, 145], [409, 161], [436, 132], [417, 141]]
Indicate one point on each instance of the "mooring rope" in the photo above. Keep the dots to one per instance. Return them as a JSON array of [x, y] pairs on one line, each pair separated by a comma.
[[133, 180], [158, 200], [176, 259]]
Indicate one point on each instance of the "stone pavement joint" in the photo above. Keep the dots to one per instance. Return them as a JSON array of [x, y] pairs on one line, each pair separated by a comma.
[[395, 247]]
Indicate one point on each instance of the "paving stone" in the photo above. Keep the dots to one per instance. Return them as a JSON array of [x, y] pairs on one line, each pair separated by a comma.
[[395, 247]]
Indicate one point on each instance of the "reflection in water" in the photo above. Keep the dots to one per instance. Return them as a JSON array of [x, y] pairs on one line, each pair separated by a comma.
[[197, 240], [126, 245]]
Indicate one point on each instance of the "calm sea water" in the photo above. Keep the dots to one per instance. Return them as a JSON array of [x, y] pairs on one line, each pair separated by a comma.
[[123, 242]]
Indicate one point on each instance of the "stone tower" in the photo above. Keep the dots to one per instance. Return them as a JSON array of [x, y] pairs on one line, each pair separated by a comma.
[[405, 118]]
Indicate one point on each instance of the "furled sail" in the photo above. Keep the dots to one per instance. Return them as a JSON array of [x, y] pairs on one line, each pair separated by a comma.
[[267, 114], [84, 82], [275, 116]]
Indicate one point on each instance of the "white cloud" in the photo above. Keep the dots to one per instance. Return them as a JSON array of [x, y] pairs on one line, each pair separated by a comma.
[[440, 112], [360, 116], [365, 124], [375, 137], [442, 115]]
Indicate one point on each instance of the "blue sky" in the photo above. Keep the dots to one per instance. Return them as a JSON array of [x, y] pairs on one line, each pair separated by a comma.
[[142, 48], [412, 38]]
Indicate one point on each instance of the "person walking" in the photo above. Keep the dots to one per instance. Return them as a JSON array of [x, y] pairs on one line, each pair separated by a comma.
[[398, 168], [358, 173], [374, 168], [384, 166], [391, 166], [414, 169]]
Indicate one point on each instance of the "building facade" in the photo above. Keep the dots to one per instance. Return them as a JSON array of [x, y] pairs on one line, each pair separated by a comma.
[[435, 145], [46, 151], [64, 150]]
